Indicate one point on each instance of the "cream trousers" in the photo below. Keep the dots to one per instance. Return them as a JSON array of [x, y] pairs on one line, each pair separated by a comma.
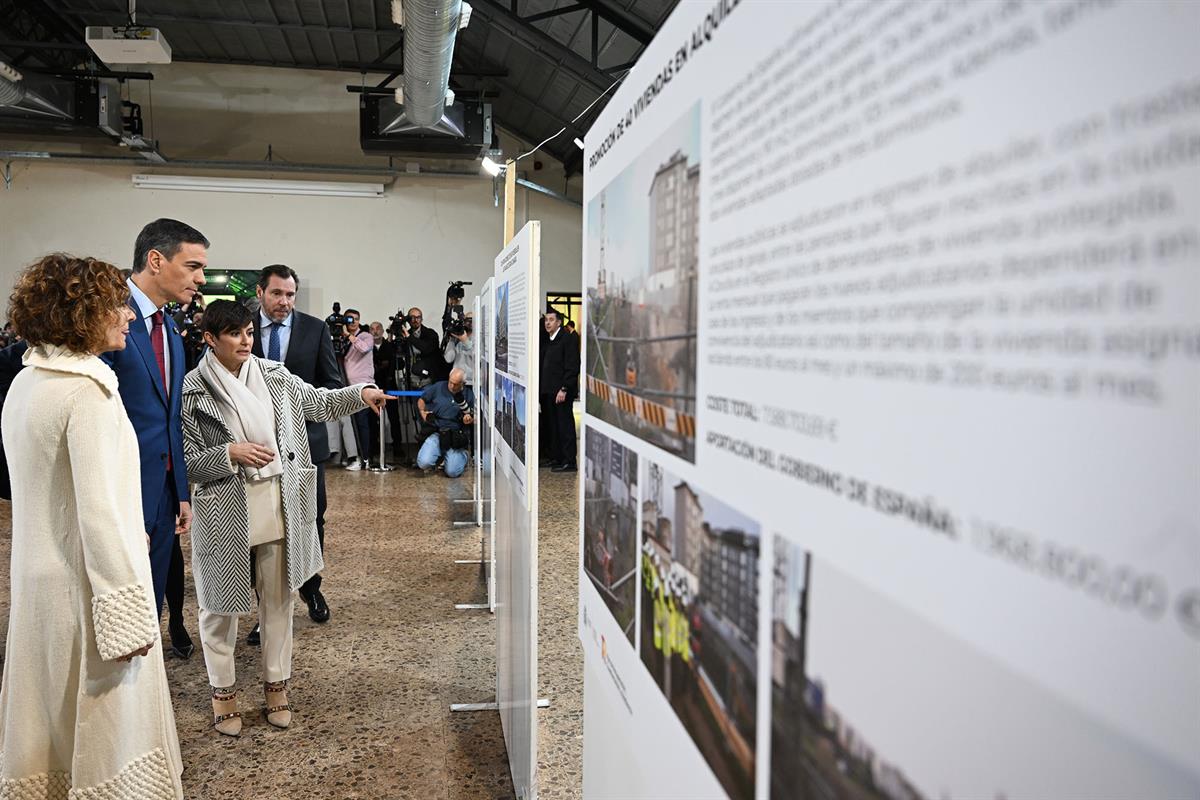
[[218, 632]]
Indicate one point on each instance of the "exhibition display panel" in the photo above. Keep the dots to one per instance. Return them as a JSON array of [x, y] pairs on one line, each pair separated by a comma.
[[891, 444], [513, 387]]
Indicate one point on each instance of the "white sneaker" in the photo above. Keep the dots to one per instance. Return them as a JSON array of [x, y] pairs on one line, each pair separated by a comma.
[[355, 466]]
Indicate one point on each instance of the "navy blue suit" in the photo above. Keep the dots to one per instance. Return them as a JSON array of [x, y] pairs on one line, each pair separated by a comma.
[[156, 419]]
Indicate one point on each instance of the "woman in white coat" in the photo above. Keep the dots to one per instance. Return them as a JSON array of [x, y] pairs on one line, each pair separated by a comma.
[[84, 709], [254, 500]]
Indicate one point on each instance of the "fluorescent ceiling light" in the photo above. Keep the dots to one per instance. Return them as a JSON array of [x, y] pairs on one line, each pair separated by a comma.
[[248, 186], [491, 167], [579, 142]]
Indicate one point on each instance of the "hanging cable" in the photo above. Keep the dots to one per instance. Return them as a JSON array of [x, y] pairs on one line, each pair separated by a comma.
[[563, 130]]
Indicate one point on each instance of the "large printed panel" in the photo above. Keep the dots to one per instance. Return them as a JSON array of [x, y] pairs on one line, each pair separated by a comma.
[[945, 360], [515, 448], [485, 464]]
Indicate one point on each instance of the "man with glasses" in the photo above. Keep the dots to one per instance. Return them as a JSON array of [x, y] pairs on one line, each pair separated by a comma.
[[425, 350], [300, 342]]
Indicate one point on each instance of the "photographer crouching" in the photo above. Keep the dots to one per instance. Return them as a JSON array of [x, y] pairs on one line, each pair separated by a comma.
[[446, 411]]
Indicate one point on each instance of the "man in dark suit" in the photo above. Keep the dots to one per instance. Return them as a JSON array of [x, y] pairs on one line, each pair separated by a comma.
[[168, 266], [558, 383], [302, 343]]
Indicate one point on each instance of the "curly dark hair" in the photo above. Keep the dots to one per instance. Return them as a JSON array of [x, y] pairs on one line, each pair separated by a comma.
[[67, 301]]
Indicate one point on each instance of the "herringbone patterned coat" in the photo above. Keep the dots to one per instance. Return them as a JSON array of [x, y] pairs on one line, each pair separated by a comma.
[[220, 528]]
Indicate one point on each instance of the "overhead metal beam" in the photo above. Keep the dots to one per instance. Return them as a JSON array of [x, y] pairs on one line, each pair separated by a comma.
[[275, 167], [623, 21], [355, 66], [595, 40], [622, 67], [543, 45], [390, 51], [384, 91], [555, 12], [92, 73], [391, 76], [37, 23], [514, 91], [170, 19], [28, 45]]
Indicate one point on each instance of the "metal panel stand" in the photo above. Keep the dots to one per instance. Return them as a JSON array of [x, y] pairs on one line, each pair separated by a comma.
[[543, 702], [382, 466]]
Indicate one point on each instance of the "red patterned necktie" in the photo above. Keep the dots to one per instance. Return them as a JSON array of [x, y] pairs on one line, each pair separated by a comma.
[[156, 341]]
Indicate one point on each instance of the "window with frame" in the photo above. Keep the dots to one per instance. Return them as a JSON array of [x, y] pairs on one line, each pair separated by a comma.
[[569, 303]]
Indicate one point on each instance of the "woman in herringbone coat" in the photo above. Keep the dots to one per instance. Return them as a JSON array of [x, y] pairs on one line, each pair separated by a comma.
[[254, 499], [84, 710]]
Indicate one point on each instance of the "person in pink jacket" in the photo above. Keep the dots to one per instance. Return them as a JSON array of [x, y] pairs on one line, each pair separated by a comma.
[[359, 362]]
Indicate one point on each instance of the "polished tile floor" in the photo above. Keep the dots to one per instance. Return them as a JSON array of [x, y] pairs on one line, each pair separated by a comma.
[[372, 688]]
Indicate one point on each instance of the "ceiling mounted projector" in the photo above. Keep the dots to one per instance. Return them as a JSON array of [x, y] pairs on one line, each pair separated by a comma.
[[128, 45]]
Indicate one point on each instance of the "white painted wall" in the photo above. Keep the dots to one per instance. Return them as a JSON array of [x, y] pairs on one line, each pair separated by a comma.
[[373, 254]]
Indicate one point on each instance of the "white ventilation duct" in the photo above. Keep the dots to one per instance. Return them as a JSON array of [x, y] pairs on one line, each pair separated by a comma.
[[11, 90], [430, 30], [36, 95]]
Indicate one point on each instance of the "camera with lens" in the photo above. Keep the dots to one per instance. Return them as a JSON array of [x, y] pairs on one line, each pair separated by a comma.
[[337, 322], [454, 319], [459, 322], [399, 324], [189, 327]]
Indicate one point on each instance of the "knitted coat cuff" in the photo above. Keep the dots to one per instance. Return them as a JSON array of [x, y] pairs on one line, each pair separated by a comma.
[[124, 621]]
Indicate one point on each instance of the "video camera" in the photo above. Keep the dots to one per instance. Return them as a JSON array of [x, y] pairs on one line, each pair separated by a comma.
[[337, 322], [192, 336], [454, 320], [399, 324]]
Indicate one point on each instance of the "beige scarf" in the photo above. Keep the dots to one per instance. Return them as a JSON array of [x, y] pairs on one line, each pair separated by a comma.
[[245, 404]]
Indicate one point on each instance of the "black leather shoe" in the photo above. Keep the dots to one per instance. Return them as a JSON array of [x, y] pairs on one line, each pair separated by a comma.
[[181, 643], [318, 610], [564, 468], [253, 637]]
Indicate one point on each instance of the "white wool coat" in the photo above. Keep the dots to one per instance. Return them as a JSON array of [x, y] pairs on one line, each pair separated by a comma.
[[75, 723]]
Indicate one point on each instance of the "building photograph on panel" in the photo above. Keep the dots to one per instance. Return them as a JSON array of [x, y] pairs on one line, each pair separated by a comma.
[[699, 638], [644, 237], [610, 555]]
